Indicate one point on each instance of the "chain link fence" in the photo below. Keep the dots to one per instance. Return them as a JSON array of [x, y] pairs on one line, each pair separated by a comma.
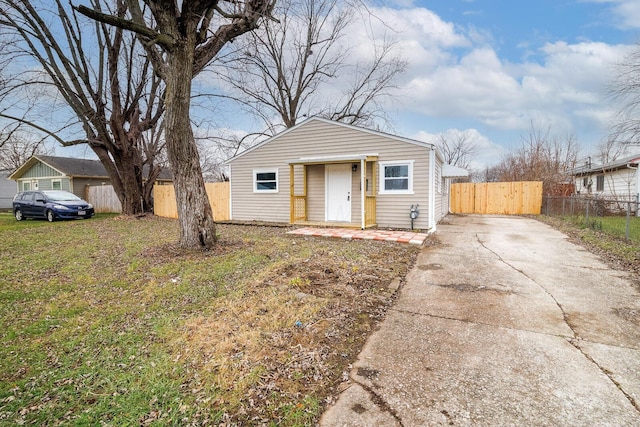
[[594, 211]]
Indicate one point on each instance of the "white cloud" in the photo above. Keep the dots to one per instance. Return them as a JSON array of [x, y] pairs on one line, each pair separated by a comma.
[[475, 83], [626, 12]]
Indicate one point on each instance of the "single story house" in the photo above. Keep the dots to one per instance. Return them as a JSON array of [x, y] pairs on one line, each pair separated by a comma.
[[618, 179], [64, 173], [7, 190], [322, 172]]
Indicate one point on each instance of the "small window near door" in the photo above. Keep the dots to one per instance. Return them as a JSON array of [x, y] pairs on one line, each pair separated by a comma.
[[396, 177], [265, 181], [56, 184], [26, 186], [600, 183]]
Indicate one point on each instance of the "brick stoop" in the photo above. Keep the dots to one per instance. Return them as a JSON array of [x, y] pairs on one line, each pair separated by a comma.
[[397, 236]]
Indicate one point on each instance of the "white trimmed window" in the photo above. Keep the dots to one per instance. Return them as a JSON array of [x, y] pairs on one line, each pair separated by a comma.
[[396, 177], [56, 184], [265, 180]]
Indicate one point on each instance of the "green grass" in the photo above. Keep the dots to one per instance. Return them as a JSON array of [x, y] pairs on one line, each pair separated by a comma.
[[615, 226], [106, 322]]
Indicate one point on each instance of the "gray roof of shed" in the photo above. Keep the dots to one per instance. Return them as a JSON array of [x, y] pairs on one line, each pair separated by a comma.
[[75, 167]]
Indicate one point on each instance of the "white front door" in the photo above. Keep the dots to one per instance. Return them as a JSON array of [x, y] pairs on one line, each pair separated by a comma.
[[338, 192]]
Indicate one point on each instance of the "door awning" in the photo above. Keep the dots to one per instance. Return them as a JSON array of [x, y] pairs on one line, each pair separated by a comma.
[[346, 158]]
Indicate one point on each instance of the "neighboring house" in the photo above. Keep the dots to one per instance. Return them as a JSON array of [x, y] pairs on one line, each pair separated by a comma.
[[618, 179], [7, 189], [330, 173], [64, 173]]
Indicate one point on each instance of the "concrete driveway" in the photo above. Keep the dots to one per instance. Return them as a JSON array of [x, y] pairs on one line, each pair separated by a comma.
[[505, 323]]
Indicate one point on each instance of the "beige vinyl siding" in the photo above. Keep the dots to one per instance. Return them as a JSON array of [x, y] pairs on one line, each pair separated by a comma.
[[315, 192], [393, 209], [439, 199], [249, 206], [317, 138]]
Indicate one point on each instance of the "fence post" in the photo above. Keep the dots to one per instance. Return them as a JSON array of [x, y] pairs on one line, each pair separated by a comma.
[[587, 213], [627, 232], [571, 205]]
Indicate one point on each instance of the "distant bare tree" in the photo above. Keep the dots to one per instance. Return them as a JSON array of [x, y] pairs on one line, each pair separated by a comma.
[[625, 89], [458, 149], [540, 158], [300, 66], [610, 150], [17, 147]]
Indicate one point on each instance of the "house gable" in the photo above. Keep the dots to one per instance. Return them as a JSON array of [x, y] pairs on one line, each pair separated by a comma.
[[332, 126], [41, 170]]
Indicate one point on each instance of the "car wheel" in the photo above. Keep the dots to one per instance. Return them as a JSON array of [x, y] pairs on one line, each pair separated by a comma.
[[50, 216], [18, 215]]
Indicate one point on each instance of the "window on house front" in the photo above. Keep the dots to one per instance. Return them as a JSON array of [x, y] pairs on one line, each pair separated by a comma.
[[26, 185], [600, 183], [265, 181], [585, 181], [396, 177], [56, 184]]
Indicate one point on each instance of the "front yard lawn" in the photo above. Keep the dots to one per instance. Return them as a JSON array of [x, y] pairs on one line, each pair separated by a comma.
[[107, 322]]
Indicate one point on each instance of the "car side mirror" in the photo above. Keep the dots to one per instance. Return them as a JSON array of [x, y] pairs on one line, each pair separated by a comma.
[[41, 200]]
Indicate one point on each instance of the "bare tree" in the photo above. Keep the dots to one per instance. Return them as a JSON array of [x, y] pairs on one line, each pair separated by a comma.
[[110, 96], [301, 66], [541, 157], [180, 42], [609, 150], [17, 147], [625, 89], [457, 149]]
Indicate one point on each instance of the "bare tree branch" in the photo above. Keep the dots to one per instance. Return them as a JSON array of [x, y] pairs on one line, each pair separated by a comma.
[[109, 96], [281, 70]]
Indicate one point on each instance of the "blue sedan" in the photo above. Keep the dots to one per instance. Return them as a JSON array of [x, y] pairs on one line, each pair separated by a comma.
[[50, 204]]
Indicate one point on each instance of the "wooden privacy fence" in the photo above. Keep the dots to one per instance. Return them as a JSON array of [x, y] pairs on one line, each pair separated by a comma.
[[508, 198], [164, 200], [103, 198]]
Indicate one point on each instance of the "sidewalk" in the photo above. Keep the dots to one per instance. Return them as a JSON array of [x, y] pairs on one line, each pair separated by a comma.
[[367, 234], [504, 323]]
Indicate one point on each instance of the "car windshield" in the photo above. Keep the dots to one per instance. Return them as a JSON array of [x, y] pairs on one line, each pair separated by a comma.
[[61, 196]]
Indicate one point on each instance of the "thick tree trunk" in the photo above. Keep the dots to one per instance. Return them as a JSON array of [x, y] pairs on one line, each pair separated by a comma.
[[197, 227], [126, 181]]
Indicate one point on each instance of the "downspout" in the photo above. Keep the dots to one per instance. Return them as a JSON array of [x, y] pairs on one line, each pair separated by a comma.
[[629, 165], [432, 190], [230, 196], [363, 193]]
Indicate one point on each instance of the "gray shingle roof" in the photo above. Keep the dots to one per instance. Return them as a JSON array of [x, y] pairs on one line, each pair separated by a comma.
[[616, 164], [75, 167]]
